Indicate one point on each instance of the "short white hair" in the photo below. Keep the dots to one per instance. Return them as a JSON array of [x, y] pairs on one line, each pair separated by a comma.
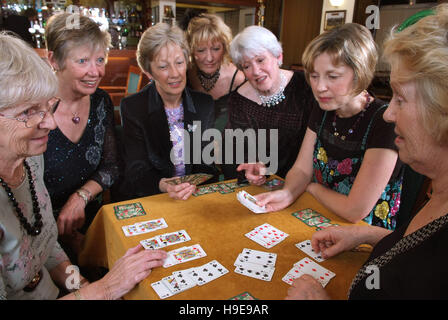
[[24, 76], [253, 41]]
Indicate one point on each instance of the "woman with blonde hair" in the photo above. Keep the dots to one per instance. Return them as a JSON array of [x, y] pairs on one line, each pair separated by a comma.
[[211, 69], [411, 262]]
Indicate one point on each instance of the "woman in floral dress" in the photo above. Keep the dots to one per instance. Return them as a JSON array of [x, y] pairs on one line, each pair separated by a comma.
[[348, 160]]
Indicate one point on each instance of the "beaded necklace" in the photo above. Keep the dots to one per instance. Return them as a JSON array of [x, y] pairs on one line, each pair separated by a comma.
[[35, 229], [208, 81]]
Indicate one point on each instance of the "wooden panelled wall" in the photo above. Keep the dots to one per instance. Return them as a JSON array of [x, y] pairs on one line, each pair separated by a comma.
[[301, 24]]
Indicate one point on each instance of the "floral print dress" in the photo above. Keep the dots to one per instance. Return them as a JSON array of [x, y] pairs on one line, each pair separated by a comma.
[[338, 173]]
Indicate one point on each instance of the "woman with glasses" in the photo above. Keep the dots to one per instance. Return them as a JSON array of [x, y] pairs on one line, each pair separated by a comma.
[[81, 159], [33, 264]]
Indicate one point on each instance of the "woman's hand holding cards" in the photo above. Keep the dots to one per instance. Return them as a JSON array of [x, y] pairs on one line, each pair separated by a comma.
[[177, 191], [275, 200], [335, 240], [306, 288]]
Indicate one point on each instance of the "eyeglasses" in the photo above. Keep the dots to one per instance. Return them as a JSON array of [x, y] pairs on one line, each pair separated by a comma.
[[32, 117]]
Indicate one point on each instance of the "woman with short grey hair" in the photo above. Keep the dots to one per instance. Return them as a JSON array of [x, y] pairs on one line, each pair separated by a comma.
[[157, 120], [81, 160], [273, 98]]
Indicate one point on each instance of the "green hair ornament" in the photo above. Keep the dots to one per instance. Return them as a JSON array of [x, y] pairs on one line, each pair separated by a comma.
[[414, 18]]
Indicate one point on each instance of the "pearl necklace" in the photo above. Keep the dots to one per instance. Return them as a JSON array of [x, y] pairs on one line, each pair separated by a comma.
[[276, 98], [35, 229]]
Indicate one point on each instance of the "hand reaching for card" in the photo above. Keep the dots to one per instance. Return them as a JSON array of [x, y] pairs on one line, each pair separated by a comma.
[[334, 240], [275, 200], [179, 191], [254, 172], [130, 269], [306, 288]]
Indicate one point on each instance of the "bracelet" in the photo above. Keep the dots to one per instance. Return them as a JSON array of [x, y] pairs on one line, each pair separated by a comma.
[[83, 195], [78, 295]]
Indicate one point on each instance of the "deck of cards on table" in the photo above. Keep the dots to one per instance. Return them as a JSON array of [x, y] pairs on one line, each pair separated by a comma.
[[267, 235], [185, 279], [166, 239], [308, 266], [256, 264], [144, 227], [250, 202]]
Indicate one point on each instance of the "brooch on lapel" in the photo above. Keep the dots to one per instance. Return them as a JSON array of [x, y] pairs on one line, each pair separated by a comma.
[[192, 128]]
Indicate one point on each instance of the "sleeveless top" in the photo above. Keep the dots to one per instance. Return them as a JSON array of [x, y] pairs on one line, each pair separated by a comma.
[[338, 172]]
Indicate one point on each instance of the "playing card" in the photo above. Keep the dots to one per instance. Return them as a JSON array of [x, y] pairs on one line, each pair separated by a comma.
[[152, 243], [324, 225], [250, 202], [274, 234], [244, 296], [161, 290], [130, 230], [203, 190], [314, 221], [306, 214], [125, 211], [321, 274], [241, 263], [210, 271], [306, 247], [184, 279], [172, 284], [292, 274], [172, 238], [273, 184], [256, 273], [259, 257], [152, 225], [184, 254], [258, 238]]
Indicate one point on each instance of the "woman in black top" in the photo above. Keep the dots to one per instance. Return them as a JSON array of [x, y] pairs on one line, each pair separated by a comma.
[[411, 262], [81, 159], [211, 70]]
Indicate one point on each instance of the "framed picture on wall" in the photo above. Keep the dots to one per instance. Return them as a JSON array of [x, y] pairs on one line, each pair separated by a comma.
[[334, 19]]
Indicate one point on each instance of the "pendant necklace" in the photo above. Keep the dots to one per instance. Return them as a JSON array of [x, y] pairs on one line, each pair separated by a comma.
[[355, 124], [75, 118], [208, 81], [276, 98]]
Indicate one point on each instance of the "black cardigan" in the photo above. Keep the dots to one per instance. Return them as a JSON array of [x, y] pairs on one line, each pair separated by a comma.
[[146, 139]]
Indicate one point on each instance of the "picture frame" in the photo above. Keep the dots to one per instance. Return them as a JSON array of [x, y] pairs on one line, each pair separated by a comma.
[[334, 19]]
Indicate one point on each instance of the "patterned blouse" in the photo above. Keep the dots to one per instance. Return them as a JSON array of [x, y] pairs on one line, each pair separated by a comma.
[[68, 165], [22, 255], [336, 162], [175, 118]]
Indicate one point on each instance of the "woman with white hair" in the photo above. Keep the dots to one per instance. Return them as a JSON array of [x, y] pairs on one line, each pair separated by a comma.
[[32, 263], [272, 98]]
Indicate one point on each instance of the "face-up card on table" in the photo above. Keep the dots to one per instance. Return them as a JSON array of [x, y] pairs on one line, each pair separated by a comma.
[[171, 238], [244, 296], [306, 247], [259, 257], [162, 290], [184, 254], [254, 272], [210, 271], [130, 210], [321, 274], [144, 227]]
